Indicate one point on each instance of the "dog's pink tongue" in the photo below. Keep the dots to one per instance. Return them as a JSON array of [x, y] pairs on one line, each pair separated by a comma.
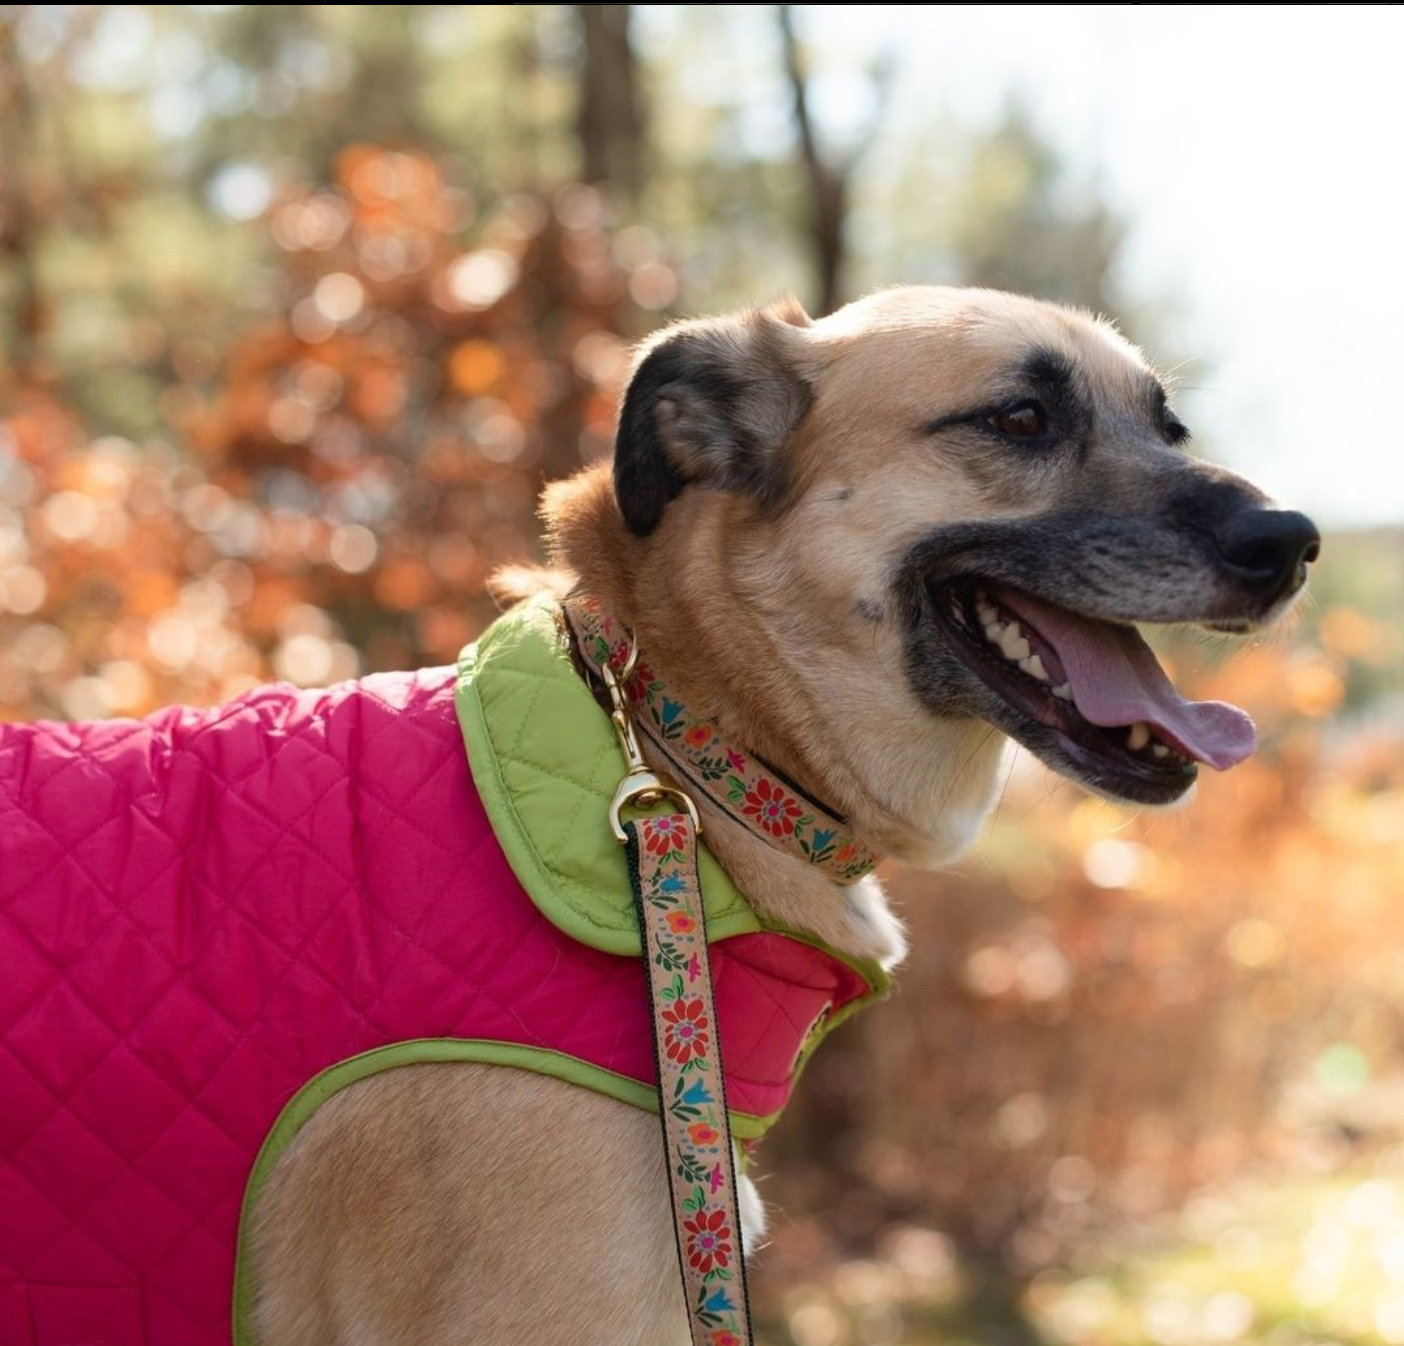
[[1116, 680]]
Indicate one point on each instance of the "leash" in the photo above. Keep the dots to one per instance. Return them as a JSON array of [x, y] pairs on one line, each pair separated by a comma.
[[662, 859]]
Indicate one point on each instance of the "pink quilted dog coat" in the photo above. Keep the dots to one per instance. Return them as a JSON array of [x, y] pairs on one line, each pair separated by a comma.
[[204, 911]]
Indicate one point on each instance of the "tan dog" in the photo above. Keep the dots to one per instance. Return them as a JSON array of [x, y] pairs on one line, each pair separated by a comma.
[[865, 545]]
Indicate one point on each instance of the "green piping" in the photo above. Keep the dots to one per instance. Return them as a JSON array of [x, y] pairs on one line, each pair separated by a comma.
[[424, 1051]]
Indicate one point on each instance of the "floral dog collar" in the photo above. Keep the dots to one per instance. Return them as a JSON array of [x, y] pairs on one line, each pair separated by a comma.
[[741, 784]]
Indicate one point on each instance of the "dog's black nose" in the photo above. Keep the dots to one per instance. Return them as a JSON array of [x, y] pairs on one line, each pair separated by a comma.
[[1269, 549]]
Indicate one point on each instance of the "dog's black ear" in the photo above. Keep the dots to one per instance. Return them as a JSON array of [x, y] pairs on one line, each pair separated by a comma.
[[712, 401]]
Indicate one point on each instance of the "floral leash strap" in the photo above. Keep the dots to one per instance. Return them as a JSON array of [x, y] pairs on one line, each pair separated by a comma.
[[662, 855]]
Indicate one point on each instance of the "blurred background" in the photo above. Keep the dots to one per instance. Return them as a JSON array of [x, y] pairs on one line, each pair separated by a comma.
[[299, 305]]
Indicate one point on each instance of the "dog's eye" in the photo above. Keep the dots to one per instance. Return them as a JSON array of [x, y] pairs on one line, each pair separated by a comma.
[[1027, 420]]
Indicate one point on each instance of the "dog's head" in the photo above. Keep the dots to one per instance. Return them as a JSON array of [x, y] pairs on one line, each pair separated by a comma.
[[935, 511]]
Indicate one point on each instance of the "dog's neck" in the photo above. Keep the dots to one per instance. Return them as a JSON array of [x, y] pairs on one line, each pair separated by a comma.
[[595, 551], [753, 792], [740, 795]]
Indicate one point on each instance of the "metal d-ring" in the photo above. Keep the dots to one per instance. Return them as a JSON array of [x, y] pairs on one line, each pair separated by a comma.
[[641, 785], [646, 788]]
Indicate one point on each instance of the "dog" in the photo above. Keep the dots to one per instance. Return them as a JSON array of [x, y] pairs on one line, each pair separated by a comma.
[[873, 548]]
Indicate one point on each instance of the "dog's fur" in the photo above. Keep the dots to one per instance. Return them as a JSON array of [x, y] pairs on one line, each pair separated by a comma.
[[785, 499]]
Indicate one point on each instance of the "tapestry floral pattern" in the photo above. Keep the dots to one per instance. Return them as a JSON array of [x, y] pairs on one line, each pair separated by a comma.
[[748, 787], [702, 1169]]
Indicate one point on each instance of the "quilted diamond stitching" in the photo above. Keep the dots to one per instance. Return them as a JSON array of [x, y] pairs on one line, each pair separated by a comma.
[[377, 786], [401, 810], [98, 887], [131, 1164], [592, 794]]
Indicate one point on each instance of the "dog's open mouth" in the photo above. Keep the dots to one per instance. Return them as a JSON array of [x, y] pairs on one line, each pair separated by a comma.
[[1088, 692]]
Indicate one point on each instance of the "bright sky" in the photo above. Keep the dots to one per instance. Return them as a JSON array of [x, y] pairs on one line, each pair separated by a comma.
[[1257, 151]]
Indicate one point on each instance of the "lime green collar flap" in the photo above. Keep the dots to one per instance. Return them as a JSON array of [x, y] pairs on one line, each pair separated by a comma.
[[545, 761]]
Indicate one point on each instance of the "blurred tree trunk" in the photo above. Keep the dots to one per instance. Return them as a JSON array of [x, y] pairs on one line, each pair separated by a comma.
[[992, 1301], [17, 134], [828, 182], [610, 119]]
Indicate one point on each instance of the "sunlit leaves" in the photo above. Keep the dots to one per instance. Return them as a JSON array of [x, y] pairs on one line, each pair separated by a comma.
[[362, 455]]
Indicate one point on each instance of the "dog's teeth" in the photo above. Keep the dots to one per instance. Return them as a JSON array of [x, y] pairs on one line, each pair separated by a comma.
[[993, 631], [987, 613], [1159, 750], [1013, 644], [1033, 666], [1139, 736], [1063, 691]]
